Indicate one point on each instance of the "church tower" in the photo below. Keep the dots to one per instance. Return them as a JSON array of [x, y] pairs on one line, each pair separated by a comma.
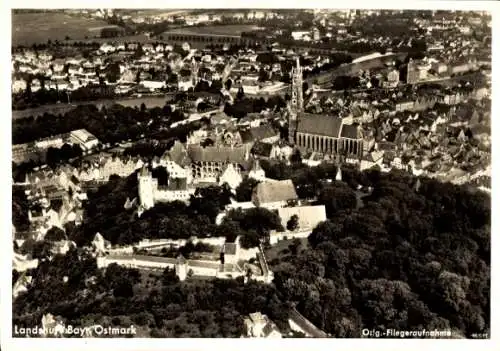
[[195, 67], [146, 191], [296, 105], [412, 74]]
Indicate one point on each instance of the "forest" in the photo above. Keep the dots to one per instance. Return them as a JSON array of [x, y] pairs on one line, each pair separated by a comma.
[[415, 254]]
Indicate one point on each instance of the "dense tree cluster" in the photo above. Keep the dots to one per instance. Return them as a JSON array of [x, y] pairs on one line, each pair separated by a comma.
[[243, 106], [20, 206], [105, 214], [253, 225], [29, 99], [157, 304], [405, 259], [410, 257], [109, 124]]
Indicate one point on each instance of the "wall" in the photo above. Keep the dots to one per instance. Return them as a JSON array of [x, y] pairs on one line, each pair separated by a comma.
[[274, 205], [276, 237]]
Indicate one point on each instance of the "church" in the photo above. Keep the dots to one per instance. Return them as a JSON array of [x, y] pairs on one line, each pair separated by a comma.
[[323, 134]]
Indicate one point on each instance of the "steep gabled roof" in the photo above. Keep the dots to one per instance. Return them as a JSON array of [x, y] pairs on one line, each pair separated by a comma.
[[217, 154], [319, 125], [258, 133]]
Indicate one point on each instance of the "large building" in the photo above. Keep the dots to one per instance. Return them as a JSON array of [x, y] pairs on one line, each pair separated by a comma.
[[324, 134]]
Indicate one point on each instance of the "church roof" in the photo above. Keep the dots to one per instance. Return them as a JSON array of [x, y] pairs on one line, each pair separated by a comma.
[[350, 132], [320, 125]]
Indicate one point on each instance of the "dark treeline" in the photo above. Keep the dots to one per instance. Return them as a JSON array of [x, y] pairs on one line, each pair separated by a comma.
[[109, 124], [157, 304], [416, 255]]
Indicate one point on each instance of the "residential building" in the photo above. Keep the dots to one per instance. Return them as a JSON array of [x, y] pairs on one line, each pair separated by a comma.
[[258, 325], [274, 195]]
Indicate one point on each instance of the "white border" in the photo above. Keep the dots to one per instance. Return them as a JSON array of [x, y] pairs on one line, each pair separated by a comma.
[[8, 343]]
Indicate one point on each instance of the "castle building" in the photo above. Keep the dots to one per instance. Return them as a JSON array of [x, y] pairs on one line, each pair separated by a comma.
[[230, 265], [151, 192], [209, 163], [323, 134]]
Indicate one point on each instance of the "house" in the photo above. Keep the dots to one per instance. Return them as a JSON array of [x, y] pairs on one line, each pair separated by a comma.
[[21, 285], [273, 195], [22, 263], [153, 84], [18, 85], [258, 325], [263, 133], [230, 252], [371, 159], [83, 138]]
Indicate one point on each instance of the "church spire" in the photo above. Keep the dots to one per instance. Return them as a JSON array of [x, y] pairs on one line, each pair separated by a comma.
[[338, 177], [296, 105]]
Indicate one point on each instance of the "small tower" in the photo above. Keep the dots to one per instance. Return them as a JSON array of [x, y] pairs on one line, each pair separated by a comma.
[[194, 71], [146, 190], [181, 268], [296, 105], [417, 185], [257, 172], [338, 177]]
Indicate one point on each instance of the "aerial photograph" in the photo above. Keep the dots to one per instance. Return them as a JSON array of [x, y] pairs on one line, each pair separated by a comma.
[[251, 173]]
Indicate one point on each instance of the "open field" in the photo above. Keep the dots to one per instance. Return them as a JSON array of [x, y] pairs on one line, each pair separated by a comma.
[[232, 30], [139, 38], [157, 13], [31, 28]]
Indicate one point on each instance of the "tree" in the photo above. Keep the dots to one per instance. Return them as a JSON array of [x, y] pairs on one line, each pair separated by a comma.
[[240, 94], [112, 72], [296, 157], [161, 174], [245, 189], [55, 234], [336, 198], [263, 75], [292, 223]]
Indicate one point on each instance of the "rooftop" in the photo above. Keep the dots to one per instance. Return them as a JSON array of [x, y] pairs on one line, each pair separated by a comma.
[[282, 190]]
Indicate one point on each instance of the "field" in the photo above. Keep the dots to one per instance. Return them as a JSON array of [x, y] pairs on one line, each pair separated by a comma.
[[31, 28], [233, 30]]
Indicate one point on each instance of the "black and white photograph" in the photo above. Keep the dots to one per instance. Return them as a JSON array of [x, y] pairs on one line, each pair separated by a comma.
[[239, 172]]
